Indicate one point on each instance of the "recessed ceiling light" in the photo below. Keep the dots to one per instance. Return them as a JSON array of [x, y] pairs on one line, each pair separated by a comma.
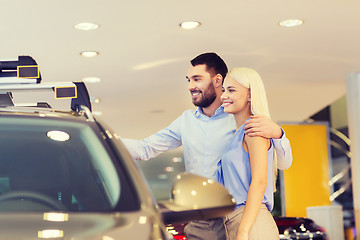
[[97, 113], [177, 159], [56, 217], [291, 23], [50, 233], [89, 54], [95, 99], [58, 135], [86, 26], [169, 169], [190, 24], [162, 176], [91, 79]]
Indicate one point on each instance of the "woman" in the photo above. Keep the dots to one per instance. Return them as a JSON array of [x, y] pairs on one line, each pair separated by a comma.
[[246, 168]]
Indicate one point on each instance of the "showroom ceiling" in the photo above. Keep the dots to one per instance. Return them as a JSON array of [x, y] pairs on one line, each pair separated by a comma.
[[144, 54]]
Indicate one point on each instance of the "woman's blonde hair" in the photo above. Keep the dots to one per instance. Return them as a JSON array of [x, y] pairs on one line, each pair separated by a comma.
[[250, 79]]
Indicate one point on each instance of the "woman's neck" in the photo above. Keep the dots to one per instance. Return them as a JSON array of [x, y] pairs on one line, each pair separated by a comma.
[[241, 117]]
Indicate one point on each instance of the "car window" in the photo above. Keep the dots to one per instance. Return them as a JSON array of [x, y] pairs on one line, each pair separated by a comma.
[[102, 164], [57, 162], [161, 172]]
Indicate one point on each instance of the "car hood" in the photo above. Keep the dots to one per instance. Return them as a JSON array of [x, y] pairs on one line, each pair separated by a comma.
[[76, 226]]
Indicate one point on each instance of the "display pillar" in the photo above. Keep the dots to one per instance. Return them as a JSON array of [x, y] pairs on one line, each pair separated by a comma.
[[353, 109]]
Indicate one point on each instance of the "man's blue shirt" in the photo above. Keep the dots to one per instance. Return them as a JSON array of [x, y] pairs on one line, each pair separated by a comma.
[[204, 140]]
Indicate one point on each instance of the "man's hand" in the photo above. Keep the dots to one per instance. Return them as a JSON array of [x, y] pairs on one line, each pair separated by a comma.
[[262, 126]]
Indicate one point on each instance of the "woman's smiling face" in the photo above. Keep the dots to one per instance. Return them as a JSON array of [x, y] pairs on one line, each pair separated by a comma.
[[235, 97]]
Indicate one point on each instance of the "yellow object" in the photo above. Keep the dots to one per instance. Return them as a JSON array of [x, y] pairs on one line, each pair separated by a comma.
[[350, 233], [306, 181], [32, 70]]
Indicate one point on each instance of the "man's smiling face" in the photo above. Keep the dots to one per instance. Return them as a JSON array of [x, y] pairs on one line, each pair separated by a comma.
[[201, 86]]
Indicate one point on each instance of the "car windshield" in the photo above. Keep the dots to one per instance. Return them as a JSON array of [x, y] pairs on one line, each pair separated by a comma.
[[55, 164]]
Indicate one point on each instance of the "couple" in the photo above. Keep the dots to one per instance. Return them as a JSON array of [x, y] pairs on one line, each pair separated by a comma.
[[209, 133]]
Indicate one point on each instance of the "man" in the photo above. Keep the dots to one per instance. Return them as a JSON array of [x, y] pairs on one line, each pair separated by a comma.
[[205, 133]]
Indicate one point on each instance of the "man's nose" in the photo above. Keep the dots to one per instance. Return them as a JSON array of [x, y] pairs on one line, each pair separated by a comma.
[[191, 85]]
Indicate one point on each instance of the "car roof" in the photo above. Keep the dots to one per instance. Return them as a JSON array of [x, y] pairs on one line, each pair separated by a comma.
[[14, 111], [24, 75]]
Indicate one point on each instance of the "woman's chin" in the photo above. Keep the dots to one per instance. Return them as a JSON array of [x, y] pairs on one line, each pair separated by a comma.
[[227, 110]]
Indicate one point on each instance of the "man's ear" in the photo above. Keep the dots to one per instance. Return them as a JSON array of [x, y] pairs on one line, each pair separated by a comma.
[[218, 80]]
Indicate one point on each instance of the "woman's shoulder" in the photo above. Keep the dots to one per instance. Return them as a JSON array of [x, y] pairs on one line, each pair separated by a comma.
[[256, 141]]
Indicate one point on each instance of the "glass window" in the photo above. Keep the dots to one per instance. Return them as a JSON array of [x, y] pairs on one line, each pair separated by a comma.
[[161, 172], [49, 163]]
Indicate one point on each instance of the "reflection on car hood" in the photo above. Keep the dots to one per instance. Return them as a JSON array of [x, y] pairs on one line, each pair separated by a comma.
[[74, 226]]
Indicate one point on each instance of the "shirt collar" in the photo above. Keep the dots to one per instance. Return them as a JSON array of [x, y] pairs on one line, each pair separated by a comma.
[[198, 112], [218, 111]]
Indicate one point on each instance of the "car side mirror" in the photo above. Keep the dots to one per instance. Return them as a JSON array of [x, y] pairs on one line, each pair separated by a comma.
[[196, 198]]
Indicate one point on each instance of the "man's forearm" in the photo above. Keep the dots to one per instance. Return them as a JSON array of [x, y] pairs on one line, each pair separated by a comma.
[[283, 152]]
